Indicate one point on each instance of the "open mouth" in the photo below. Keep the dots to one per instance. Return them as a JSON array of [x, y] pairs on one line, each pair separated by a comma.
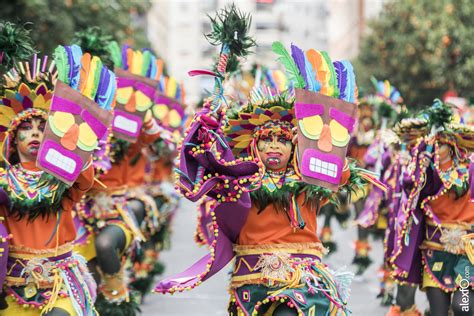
[[321, 166], [59, 161], [127, 124]]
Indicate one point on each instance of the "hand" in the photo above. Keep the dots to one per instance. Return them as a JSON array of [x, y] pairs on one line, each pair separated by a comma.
[[295, 137], [425, 159]]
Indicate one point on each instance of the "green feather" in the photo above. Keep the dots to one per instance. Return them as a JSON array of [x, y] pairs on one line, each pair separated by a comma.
[[146, 59], [98, 71], [15, 45], [115, 54], [230, 27], [287, 61], [62, 63], [333, 80]]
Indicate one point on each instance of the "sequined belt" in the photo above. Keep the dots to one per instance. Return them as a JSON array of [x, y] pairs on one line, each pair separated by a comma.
[[454, 238], [39, 268], [261, 263]]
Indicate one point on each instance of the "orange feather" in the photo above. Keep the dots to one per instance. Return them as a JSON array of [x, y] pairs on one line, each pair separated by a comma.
[[129, 58], [159, 66], [317, 62], [85, 67]]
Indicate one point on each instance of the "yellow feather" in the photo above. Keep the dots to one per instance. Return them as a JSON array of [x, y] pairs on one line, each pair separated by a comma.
[[88, 90], [137, 62], [6, 115], [171, 87]]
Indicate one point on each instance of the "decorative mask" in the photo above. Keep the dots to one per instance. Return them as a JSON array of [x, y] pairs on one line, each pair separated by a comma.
[[168, 112], [324, 128], [75, 126], [135, 95]]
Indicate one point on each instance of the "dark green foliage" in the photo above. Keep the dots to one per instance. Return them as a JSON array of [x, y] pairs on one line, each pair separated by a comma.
[[55, 21], [104, 307], [95, 42], [439, 114], [230, 28], [423, 47], [15, 45]]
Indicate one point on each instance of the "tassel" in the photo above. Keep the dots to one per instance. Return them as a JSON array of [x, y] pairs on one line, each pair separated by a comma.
[[54, 292], [468, 246]]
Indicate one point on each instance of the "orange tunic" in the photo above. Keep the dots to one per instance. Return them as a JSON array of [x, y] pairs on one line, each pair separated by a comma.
[[35, 234], [273, 227], [124, 173], [450, 210]]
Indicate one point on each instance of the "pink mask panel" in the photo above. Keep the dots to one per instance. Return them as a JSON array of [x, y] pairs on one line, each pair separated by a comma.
[[75, 125], [135, 95], [324, 128]]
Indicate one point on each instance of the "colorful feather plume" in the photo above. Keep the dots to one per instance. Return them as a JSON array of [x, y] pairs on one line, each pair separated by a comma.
[[333, 90], [289, 64], [86, 74], [298, 57], [115, 54]]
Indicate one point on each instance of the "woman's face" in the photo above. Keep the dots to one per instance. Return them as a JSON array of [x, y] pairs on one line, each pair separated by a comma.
[[275, 151], [28, 138]]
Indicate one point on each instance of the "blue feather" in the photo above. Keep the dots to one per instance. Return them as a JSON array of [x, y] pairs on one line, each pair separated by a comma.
[[76, 53], [351, 82], [268, 75], [313, 83], [299, 58], [152, 69], [111, 90]]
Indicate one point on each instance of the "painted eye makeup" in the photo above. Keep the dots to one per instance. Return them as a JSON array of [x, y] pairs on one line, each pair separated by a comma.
[[25, 126]]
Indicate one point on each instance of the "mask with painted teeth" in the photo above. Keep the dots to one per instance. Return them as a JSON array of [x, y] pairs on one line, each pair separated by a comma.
[[135, 96], [75, 125], [324, 128]]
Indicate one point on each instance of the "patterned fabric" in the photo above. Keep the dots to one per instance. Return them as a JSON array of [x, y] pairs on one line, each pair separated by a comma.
[[446, 270], [41, 280]]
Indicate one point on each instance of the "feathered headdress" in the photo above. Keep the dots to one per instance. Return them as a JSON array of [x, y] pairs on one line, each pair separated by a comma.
[[93, 41], [312, 70], [27, 94]]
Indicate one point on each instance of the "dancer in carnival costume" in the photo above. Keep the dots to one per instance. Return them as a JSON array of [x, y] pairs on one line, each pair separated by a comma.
[[409, 131], [47, 170], [109, 214], [434, 246], [266, 211]]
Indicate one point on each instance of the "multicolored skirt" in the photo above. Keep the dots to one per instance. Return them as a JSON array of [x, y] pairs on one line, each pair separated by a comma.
[[98, 211], [266, 276], [42, 280], [448, 256]]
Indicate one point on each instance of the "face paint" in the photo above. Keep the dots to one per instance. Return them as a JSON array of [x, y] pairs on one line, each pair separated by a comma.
[[75, 125], [275, 151], [135, 95], [28, 139], [324, 128]]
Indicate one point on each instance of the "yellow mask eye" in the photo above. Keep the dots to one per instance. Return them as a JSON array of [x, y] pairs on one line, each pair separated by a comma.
[[124, 94], [340, 134], [174, 119], [61, 122], [87, 138], [160, 111], [143, 102], [311, 126]]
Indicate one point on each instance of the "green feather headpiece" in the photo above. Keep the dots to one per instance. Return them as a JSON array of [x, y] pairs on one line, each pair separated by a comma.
[[230, 28], [15, 45], [93, 41]]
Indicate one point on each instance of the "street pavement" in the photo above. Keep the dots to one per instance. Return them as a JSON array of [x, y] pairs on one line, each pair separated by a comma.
[[210, 298]]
